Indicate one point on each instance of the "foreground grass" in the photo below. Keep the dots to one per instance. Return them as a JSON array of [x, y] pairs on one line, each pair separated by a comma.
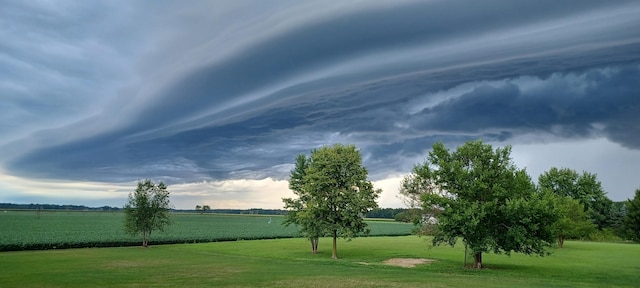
[[288, 263]]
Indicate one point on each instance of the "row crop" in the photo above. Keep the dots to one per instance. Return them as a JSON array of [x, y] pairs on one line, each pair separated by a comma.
[[20, 230]]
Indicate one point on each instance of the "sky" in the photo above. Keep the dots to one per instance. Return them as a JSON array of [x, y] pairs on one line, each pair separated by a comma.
[[216, 98]]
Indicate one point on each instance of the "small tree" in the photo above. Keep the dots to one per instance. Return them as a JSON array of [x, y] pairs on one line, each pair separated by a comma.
[[412, 189], [616, 218], [485, 200], [202, 209], [585, 188], [632, 218], [147, 210], [333, 193], [301, 210], [303, 214], [572, 222]]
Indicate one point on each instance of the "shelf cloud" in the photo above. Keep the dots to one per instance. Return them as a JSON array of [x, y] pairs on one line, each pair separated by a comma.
[[212, 93]]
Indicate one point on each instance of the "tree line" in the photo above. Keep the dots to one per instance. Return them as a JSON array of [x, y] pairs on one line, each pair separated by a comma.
[[382, 213], [379, 213], [32, 206], [478, 195], [475, 194]]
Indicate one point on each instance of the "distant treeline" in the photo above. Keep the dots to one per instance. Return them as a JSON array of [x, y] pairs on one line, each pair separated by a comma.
[[242, 211], [387, 213], [56, 207]]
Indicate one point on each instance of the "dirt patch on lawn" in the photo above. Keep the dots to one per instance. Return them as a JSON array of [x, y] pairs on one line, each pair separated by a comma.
[[407, 262]]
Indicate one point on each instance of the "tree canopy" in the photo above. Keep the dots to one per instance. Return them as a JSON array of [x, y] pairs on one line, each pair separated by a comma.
[[147, 209], [333, 194], [583, 187], [632, 218], [203, 209], [572, 222], [485, 200], [301, 210], [412, 189]]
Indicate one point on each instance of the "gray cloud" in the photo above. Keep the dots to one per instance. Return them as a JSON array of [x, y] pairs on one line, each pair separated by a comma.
[[184, 95], [570, 103]]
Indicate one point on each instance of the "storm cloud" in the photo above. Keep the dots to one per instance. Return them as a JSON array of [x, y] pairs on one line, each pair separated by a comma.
[[215, 91]]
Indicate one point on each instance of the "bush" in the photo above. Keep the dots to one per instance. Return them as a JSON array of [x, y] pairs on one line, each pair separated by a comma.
[[409, 216], [605, 235]]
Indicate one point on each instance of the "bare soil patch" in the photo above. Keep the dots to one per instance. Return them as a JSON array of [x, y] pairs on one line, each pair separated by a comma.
[[407, 262]]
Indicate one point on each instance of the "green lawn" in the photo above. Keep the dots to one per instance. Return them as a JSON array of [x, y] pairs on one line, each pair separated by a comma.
[[288, 263]]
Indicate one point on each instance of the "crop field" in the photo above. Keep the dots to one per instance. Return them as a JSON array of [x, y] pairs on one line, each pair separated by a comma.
[[21, 230], [289, 263]]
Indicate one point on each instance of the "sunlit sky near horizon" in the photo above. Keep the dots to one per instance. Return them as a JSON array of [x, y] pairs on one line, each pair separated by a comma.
[[216, 98]]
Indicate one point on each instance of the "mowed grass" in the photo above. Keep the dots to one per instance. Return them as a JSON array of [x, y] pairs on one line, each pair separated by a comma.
[[288, 263], [20, 230]]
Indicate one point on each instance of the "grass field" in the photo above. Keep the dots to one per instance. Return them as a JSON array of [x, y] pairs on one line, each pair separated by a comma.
[[288, 263], [20, 230]]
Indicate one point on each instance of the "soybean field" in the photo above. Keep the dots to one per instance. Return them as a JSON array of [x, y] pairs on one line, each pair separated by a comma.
[[26, 230]]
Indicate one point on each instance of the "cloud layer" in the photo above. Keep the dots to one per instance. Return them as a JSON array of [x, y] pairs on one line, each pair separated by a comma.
[[221, 91]]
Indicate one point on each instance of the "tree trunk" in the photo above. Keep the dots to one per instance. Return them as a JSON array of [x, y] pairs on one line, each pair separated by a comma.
[[560, 241], [477, 260], [314, 245], [145, 238], [335, 246]]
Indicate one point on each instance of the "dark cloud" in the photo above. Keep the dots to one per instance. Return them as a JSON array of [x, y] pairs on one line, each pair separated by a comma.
[[572, 105], [391, 79], [320, 44]]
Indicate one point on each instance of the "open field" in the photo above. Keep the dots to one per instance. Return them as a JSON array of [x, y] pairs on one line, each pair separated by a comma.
[[288, 263], [20, 230]]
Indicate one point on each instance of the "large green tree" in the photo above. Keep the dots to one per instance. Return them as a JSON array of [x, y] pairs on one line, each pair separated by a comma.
[[333, 193], [147, 209], [583, 187], [632, 217], [485, 200]]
